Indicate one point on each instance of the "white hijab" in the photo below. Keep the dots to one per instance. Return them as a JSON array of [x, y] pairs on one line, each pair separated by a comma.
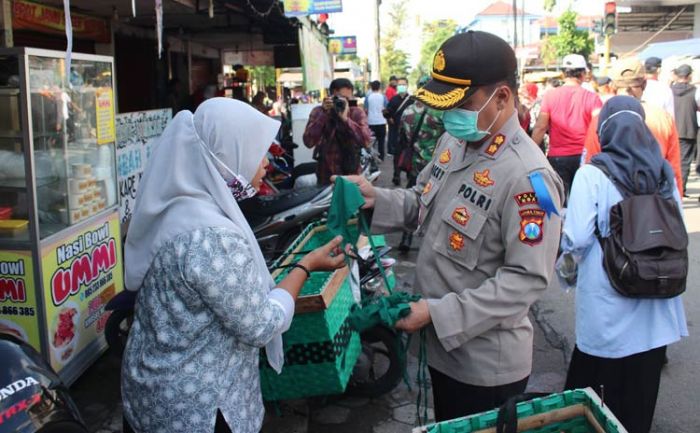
[[184, 186]]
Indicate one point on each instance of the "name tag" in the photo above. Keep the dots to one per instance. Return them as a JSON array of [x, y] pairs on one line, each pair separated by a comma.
[[437, 172], [475, 197]]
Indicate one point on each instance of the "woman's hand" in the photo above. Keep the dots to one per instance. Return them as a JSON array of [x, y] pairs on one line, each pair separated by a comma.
[[366, 189], [326, 258]]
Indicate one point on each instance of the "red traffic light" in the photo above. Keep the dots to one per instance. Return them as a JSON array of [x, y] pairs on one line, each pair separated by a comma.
[[610, 8]]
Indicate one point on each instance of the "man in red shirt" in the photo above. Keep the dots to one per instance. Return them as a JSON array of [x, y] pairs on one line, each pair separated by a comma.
[[566, 112], [391, 89]]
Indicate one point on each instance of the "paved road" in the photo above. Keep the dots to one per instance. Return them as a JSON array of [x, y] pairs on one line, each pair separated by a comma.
[[97, 392]]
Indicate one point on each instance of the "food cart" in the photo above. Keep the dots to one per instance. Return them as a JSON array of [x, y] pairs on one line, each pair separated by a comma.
[[60, 249]]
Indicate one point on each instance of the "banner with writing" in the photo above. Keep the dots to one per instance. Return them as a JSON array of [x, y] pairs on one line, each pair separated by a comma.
[[341, 45], [18, 310], [81, 273], [104, 107], [299, 8], [136, 133], [33, 16]]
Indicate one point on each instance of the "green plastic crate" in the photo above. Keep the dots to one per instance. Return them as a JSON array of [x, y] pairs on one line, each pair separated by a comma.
[[320, 349], [577, 411]]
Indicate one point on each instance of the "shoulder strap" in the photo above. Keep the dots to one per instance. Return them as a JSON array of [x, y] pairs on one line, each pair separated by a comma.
[[416, 130], [624, 192]]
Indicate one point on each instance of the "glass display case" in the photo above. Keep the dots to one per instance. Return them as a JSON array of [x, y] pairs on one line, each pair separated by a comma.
[[60, 249], [72, 137]]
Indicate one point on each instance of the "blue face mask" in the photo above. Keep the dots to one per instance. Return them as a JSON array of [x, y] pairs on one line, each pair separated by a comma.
[[402, 88], [464, 124]]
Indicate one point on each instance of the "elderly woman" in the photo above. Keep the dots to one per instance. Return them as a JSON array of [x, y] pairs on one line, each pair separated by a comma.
[[620, 341], [206, 301]]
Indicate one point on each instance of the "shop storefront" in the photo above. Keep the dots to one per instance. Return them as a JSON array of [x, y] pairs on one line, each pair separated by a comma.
[[60, 246]]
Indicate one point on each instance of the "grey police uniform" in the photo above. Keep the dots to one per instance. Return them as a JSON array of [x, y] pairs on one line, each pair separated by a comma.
[[488, 251]]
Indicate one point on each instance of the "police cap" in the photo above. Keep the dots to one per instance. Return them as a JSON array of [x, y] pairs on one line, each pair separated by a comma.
[[463, 63]]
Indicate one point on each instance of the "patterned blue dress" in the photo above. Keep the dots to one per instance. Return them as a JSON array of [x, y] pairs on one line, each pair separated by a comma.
[[202, 314]]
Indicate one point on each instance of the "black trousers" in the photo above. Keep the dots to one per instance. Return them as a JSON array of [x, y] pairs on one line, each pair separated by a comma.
[[454, 399], [630, 384], [220, 427], [688, 149], [379, 132], [566, 167]]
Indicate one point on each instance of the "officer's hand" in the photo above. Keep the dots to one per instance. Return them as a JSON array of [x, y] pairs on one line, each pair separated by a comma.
[[366, 188], [418, 319]]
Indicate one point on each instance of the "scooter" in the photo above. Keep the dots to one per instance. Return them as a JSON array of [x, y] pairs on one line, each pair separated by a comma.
[[33, 399]]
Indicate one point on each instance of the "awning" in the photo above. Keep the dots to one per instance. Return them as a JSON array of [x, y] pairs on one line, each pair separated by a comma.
[[686, 47]]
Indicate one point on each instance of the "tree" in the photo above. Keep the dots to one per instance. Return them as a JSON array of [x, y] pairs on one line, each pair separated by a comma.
[[394, 60], [569, 40], [548, 52], [434, 34], [264, 76]]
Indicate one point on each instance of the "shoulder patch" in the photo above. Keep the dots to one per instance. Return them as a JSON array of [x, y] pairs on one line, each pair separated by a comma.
[[496, 144], [531, 226], [526, 198]]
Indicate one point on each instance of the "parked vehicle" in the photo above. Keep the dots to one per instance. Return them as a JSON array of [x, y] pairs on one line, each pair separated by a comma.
[[33, 399]]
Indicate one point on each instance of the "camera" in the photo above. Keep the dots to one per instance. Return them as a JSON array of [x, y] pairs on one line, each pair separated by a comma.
[[339, 104]]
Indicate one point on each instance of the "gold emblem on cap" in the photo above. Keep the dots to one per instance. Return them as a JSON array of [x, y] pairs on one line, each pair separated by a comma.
[[439, 62], [447, 100]]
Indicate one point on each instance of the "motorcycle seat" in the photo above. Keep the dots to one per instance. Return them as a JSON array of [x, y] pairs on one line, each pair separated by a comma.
[[270, 205]]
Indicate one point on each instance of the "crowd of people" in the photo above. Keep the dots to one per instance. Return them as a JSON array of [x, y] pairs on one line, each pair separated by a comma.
[[501, 180]]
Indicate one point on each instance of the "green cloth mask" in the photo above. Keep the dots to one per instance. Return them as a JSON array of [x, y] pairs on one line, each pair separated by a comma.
[[347, 200]]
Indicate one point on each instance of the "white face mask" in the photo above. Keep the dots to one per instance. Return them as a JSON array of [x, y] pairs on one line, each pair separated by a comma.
[[240, 188]]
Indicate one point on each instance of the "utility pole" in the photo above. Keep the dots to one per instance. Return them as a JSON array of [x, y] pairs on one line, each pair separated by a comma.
[[515, 24], [376, 71], [523, 39]]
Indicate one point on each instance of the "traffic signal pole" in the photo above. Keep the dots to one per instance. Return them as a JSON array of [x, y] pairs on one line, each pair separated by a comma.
[[609, 25]]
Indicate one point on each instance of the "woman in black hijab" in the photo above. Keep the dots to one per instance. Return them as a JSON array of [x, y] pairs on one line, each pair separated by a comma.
[[629, 151], [620, 342]]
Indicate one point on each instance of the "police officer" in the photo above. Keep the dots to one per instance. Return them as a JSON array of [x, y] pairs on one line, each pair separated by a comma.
[[487, 206]]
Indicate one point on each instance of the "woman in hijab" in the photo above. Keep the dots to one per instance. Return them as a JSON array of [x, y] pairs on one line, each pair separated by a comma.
[[206, 301], [620, 342]]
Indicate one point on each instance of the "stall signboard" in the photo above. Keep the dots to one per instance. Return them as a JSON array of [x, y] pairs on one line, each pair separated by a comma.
[[33, 16], [104, 106], [136, 134], [81, 273], [299, 8], [19, 315], [342, 45], [249, 58]]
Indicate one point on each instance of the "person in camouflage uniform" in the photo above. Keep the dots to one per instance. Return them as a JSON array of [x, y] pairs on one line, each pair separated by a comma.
[[430, 129]]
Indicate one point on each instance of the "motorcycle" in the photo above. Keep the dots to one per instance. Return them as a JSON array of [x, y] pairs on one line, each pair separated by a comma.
[[378, 369], [32, 397]]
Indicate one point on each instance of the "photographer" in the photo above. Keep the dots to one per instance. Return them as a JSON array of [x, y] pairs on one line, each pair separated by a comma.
[[337, 130]]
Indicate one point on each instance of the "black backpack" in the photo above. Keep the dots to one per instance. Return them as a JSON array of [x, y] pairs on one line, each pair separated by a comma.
[[646, 253]]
